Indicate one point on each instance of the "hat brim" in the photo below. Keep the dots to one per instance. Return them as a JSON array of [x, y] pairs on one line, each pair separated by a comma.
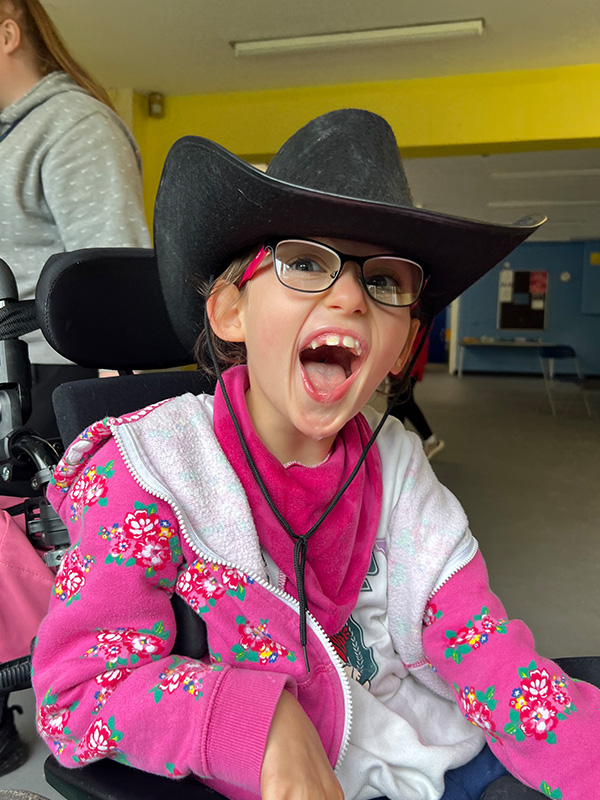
[[211, 205]]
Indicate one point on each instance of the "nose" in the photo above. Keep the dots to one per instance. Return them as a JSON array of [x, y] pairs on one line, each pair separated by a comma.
[[347, 292]]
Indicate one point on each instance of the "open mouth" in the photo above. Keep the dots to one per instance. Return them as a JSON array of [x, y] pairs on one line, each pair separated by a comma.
[[329, 360]]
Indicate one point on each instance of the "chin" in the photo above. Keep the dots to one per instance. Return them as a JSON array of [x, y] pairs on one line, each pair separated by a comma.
[[324, 424]]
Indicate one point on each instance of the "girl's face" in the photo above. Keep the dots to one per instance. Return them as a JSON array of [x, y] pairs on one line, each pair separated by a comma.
[[314, 360]]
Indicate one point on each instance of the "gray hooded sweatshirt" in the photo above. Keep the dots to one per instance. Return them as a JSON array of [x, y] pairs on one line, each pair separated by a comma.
[[70, 177]]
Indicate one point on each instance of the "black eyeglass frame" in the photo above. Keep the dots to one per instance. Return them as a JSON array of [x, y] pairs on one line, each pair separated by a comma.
[[271, 244]]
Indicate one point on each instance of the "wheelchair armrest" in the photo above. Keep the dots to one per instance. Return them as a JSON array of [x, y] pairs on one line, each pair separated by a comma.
[[109, 780]]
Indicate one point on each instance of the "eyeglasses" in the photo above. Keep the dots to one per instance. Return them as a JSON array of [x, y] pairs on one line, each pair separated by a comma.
[[307, 266]]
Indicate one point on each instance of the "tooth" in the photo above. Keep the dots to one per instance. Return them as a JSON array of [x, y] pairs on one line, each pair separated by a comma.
[[333, 341], [349, 342], [314, 344], [358, 349]]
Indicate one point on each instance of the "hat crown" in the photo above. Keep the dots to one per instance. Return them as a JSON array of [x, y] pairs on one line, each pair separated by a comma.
[[348, 152]]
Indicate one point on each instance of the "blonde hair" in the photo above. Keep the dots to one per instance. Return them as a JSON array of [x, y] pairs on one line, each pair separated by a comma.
[[48, 47]]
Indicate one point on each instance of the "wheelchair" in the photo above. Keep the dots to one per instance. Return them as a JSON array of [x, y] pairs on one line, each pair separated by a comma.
[[77, 328]]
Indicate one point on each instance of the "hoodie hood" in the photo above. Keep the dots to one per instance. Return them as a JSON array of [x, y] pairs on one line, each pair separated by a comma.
[[51, 85]]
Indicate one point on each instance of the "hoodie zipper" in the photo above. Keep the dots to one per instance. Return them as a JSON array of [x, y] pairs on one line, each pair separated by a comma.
[[457, 561], [288, 599]]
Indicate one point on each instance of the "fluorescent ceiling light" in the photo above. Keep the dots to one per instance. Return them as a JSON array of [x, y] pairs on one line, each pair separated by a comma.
[[590, 172], [541, 203], [328, 41]]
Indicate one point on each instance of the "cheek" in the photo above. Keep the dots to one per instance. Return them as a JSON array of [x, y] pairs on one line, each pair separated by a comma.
[[396, 333]]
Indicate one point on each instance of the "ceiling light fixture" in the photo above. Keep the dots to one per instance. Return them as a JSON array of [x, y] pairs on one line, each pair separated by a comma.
[[328, 41], [541, 203], [591, 172]]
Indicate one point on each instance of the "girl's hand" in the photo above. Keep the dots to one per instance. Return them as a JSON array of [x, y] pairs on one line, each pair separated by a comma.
[[295, 766]]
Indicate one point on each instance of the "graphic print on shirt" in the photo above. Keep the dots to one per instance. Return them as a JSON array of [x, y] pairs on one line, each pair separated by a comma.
[[349, 644], [371, 573], [538, 704]]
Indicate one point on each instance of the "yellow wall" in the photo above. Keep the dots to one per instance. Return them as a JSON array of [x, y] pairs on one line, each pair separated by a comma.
[[458, 115]]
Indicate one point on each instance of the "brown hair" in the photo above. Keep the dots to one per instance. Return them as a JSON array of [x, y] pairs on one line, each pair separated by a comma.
[[48, 47], [227, 353]]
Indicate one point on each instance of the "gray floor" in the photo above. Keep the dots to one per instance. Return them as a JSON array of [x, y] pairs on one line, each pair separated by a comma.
[[530, 484]]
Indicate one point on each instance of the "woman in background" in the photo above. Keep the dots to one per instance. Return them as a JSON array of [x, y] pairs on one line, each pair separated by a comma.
[[70, 173], [70, 178]]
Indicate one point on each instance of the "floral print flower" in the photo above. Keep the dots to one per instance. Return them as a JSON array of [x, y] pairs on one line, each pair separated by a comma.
[[127, 646], [52, 722], [184, 674], [257, 645], [473, 635], [144, 540], [538, 719], [478, 706], [200, 587], [100, 741], [90, 488], [141, 523], [153, 553], [108, 682], [71, 575], [236, 582], [537, 686], [431, 615], [538, 705]]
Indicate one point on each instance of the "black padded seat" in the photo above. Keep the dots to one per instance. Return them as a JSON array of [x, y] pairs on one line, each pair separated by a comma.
[[80, 403], [104, 308], [109, 780]]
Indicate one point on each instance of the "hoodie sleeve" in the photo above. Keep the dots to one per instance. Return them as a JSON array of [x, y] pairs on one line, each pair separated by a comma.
[[106, 679], [542, 725]]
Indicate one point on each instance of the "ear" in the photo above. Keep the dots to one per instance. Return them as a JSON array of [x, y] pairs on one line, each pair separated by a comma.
[[224, 307], [10, 36], [406, 350]]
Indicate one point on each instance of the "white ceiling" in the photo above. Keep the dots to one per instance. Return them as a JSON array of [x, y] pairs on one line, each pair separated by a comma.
[[563, 185], [182, 47]]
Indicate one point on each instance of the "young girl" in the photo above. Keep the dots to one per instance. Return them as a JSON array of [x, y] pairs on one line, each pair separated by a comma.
[[354, 647]]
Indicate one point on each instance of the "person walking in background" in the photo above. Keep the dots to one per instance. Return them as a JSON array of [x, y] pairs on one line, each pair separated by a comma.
[[406, 406], [70, 173]]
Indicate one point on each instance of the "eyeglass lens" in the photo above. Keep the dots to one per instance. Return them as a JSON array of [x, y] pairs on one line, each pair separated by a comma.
[[311, 267]]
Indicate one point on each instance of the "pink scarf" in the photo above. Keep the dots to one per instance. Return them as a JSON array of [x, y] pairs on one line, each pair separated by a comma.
[[339, 552]]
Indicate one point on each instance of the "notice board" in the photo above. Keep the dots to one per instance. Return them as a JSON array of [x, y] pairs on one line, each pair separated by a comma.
[[522, 299]]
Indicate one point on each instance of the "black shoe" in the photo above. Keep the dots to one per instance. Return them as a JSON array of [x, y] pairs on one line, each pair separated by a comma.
[[13, 752]]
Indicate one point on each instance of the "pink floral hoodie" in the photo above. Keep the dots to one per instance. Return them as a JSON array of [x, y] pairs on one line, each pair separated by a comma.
[[154, 509]]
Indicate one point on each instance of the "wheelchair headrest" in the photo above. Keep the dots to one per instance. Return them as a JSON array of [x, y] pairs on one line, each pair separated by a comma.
[[104, 308]]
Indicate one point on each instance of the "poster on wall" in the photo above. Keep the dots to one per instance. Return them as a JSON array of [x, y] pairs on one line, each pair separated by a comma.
[[522, 299]]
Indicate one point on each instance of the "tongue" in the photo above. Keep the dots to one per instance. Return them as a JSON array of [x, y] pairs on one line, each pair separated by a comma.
[[325, 377]]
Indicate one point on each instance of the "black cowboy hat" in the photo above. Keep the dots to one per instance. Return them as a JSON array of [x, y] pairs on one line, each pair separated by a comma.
[[339, 176]]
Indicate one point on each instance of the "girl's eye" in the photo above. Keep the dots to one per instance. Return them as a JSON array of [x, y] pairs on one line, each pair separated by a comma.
[[383, 281], [304, 265]]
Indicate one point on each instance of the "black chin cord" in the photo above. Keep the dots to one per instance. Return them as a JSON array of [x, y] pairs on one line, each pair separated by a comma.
[[300, 541]]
